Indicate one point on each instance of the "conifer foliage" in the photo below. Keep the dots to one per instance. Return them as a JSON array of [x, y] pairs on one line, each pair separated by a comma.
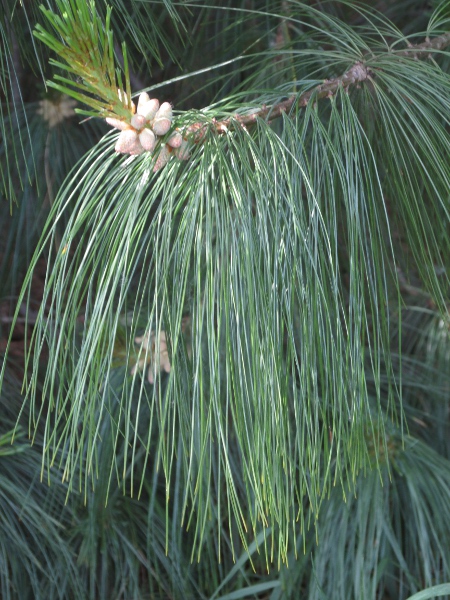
[[235, 373]]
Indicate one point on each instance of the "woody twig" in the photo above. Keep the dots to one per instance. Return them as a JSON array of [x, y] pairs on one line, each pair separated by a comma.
[[355, 75]]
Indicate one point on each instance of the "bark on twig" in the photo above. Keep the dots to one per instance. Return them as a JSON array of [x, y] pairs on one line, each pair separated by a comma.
[[356, 74], [417, 51]]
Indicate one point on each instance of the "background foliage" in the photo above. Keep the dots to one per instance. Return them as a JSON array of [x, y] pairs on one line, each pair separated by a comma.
[[290, 280]]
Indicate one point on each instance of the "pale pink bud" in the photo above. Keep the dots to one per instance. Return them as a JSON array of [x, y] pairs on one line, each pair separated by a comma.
[[149, 109], [183, 151], [175, 139], [165, 111], [136, 148], [147, 139], [138, 121], [118, 124], [161, 126], [143, 98], [163, 158], [126, 141]]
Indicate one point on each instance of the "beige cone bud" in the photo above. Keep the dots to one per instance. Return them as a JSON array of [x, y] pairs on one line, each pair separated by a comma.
[[143, 98], [149, 109], [147, 139], [165, 111], [138, 121], [126, 141], [182, 153], [161, 126], [117, 123], [175, 139], [136, 148], [163, 158]]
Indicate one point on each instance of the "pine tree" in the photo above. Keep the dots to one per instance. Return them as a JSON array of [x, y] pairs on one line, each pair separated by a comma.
[[236, 380]]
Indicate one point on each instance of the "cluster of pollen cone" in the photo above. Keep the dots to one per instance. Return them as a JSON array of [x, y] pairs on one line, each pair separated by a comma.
[[148, 123]]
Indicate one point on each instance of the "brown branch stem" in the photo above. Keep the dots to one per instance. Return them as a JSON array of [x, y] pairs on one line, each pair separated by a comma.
[[355, 75]]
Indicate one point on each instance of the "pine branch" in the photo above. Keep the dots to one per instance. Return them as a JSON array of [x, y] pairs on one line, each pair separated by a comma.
[[417, 51], [277, 249], [356, 74], [86, 45], [359, 72]]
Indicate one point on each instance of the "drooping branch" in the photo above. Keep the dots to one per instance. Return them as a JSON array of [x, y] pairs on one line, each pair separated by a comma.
[[355, 75], [86, 45]]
